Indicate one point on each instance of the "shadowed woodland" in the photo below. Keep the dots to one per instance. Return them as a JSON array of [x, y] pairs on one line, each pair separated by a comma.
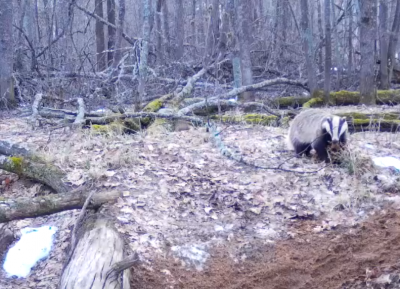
[[151, 133]]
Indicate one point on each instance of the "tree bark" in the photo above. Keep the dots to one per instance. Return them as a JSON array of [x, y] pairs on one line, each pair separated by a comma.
[[367, 45], [244, 37], [307, 46], [328, 52], [100, 40], [7, 97], [144, 52], [350, 40], [92, 263], [234, 46], [111, 31], [166, 32], [159, 34], [21, 208], [120, 29], [393, 40], [212, 36], [383, 41], [179, 30], [321, 36]]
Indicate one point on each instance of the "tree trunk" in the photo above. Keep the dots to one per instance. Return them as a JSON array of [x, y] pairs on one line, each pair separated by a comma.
[[111, 31], [350, 41], [212, 36], [120, 29], [321, 36], [144, 51], [383, 41], [307, 46], [98, 249], [235, 57], [7, 97], [179, 30], [393, 40], [367, 45], [193, 25], [100, 40], [244, 37], [328, 52], [159, 39], [167, 36]]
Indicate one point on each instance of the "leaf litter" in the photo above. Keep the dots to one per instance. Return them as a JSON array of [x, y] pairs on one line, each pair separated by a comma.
[[186, 207]]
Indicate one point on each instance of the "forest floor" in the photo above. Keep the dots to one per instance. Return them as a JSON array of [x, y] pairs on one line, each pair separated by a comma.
[[200, 220]]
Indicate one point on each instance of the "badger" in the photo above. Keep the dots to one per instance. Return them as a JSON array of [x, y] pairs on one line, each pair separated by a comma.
[[316, 129]]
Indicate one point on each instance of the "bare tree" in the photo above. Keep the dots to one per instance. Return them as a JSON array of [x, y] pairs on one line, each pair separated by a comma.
[[321, 35], [179, 30], [234, 47], [100, 40], [328, 52], [118, 44], [383, 41], [144, 51], [244, 9], [308, 46], [394, 39], [6, 51], [212, 36], [367, 45], [111, 31]]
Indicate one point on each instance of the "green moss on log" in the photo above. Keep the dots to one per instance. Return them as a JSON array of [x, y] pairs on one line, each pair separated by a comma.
[[344, 97], [314, 102], [153, 106], [248, 118], [290, 101], [115, 127], [16, 164]]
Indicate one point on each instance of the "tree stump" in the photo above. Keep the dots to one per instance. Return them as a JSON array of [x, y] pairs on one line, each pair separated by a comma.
[[99, 246]]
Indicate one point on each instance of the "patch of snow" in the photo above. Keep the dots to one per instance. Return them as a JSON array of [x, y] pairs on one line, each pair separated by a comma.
[[369, 146], [192, 254], [387, 162], [35, 244]]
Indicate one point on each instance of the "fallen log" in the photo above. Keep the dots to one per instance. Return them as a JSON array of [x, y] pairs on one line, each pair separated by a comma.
[[20, 208], [23, 162], [98, 250], [239, 90]]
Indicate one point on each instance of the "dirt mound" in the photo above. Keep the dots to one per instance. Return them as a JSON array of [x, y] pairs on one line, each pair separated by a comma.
[[366, 256]]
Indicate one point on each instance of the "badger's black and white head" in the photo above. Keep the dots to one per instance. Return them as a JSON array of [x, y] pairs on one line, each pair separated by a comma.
[[337, 128]]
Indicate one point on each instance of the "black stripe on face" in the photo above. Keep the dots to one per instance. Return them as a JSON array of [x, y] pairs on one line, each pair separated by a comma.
[[341, 122], [330, 126]]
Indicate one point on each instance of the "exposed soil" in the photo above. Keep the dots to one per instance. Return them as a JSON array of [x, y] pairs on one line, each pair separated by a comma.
[[366, 256]]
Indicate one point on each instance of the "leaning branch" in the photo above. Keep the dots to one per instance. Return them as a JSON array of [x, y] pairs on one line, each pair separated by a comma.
[[20, 208], [240, 90], [105, 22]]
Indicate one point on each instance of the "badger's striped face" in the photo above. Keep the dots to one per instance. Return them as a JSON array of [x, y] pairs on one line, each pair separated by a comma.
[[336, 126]]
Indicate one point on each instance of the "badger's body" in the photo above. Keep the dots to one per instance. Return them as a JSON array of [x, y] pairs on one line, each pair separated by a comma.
[[316, 129]]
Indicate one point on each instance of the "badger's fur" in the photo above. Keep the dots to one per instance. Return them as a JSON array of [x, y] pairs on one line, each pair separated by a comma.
[[316, 129]]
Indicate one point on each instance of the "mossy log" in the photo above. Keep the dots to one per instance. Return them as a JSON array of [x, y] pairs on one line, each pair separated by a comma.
[[23, 162], [387, 122], [20, 208], [99, 248], [341, 98]]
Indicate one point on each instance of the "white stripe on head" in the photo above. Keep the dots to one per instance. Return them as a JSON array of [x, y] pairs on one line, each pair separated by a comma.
[[335, 128], [326, 125], [344, 127]]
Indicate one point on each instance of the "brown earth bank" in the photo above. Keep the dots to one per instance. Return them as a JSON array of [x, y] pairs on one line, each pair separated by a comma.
[[365, 256]]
